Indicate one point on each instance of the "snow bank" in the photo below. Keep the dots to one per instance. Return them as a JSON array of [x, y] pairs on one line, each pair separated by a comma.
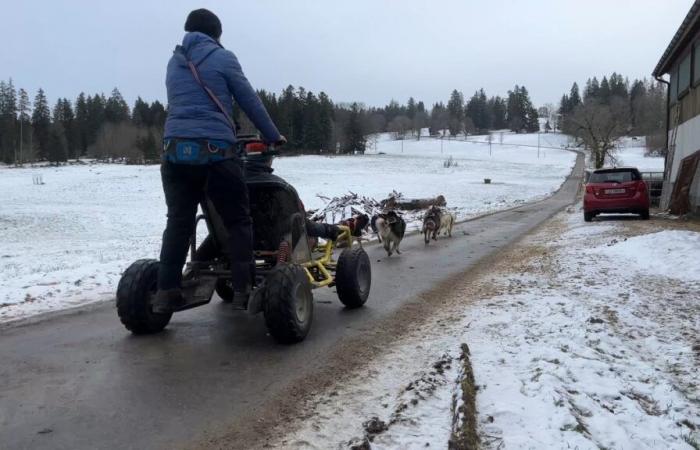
[[669, 253]]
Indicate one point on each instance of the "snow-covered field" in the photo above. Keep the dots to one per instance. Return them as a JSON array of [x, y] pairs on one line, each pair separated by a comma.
[[66, 242], [631, 153], [583, 336], [416, 169]]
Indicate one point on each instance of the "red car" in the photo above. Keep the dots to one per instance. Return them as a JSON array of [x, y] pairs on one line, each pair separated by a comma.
[[616, 190]]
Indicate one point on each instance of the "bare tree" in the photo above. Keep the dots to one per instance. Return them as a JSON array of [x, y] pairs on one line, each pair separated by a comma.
[[400, 125], [420, 121], [599, 127], [377, 123], [469, 127], [118, 141]]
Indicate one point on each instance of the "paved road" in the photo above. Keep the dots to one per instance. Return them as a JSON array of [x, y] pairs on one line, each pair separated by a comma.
[[81, 381]]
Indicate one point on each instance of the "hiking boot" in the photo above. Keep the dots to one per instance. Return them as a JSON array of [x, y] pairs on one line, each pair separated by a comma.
[[167, 301], [240, 299]]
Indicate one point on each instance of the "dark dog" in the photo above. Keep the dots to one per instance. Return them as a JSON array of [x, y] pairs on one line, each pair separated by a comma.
[[357, 224], [390, 228], [431, 224]]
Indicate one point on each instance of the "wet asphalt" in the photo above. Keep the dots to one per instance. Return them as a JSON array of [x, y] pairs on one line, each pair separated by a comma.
[[80, 380]]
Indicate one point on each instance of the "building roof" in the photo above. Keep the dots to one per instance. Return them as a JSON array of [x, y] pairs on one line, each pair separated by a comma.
[[680, 39]]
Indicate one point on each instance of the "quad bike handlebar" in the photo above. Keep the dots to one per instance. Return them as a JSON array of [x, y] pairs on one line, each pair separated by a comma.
[[253, 144]]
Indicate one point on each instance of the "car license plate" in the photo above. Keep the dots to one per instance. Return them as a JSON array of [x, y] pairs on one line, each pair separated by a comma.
[[614, 191]]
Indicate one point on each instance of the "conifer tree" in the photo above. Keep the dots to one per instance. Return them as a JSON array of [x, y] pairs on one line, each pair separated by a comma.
[[497, 107], [63, 114], [455, 108], [116, 109], [82, 124], [325, 119], [24, 117], [41, 124], [356, 141], [604, 92], [141, 114], [574, 97], [57, 145], [411, 108], [95, 116], [9, 139]]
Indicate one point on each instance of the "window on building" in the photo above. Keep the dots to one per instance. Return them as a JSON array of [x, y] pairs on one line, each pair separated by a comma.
[[674, 86], [684, 75]]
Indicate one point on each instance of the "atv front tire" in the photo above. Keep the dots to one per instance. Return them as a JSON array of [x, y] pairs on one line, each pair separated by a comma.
[[353, 277], [135, 292], [289, 304]]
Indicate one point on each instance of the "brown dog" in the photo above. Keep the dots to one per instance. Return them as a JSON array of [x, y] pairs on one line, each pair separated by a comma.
[[431, 224]]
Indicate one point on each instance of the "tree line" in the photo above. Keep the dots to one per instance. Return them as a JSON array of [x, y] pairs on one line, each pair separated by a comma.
[[94, 126], [478, 114], [611, 108], [106, 128]]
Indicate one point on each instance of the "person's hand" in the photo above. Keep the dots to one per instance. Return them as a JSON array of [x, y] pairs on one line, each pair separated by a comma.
[[281, 141]]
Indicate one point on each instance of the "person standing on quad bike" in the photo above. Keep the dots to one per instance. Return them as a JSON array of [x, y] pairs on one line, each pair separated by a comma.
[[199, 154]]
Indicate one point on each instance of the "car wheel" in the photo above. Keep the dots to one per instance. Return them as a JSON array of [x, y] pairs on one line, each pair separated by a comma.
[[644, 214], [588, 216]]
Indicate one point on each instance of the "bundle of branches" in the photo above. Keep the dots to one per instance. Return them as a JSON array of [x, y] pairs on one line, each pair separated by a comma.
[[341, 208], [351, 204]]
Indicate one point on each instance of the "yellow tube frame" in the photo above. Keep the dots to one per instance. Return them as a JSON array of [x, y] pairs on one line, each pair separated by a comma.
[[326, 264]]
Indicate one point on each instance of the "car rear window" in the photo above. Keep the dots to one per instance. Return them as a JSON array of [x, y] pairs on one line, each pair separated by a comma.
[[614, 176]]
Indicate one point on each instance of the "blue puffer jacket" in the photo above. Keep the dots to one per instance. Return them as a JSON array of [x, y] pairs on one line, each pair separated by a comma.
[[191, 113]]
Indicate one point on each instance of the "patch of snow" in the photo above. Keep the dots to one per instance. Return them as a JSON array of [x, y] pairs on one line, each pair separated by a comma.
[[669, 253]]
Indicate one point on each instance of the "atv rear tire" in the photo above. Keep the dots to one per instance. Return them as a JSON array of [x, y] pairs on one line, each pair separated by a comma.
[[353, 277], [289, 304], [135, 292], [224, 290]]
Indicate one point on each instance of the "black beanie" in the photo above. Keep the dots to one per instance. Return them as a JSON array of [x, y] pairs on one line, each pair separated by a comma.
[[204, 21]]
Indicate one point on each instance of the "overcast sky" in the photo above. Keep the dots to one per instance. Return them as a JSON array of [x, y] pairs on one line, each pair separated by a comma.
[[355, 50]]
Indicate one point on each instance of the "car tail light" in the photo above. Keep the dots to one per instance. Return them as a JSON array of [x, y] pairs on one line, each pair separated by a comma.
[[642, 186], [589, 189]]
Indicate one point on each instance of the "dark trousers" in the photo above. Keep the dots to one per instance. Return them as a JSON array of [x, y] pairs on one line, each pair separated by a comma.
[[184, 186]]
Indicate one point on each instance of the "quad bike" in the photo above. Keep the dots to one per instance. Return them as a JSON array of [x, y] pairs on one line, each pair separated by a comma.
[[287, 269]]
